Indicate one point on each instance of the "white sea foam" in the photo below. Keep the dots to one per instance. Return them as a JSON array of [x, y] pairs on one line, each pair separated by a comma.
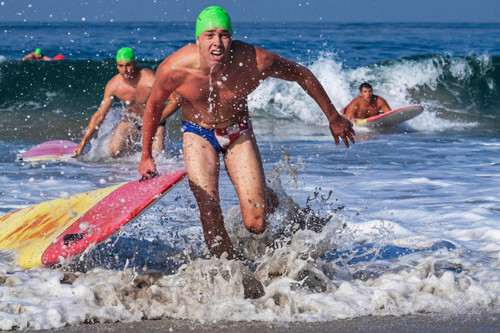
[[382, 267], [398, 82], [297, 286]]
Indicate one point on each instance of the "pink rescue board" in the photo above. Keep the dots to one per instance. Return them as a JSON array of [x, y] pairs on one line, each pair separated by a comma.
[[118, 208], [392, 117], [55, 150], [53, 231]]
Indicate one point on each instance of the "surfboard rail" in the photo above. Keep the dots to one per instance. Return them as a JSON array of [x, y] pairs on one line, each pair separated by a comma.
[[389, 118]]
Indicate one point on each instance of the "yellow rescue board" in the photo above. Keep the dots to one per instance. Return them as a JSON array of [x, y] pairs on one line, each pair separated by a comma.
[[31, 230], [54, 231]]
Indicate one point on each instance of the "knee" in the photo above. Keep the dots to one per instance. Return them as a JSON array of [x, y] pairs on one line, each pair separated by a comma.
[[255, 224], [114, 152]]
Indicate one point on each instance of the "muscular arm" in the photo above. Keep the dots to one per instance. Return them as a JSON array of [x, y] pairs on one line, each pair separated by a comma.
[[382, 105], [97, 119], [29, 56], [272, 65], [350, 109], [162, 88], [174, 103]]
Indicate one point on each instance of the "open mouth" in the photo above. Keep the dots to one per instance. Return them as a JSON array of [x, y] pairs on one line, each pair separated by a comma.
[[217, 54]]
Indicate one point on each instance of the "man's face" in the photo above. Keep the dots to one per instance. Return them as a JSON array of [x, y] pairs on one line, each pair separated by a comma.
[[127, 69], [214, 45], [366, 94]]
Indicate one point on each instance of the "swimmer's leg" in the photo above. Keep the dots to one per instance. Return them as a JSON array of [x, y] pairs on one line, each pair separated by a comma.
[[244, 166], [203, 167], [123, 138], [159, 140]]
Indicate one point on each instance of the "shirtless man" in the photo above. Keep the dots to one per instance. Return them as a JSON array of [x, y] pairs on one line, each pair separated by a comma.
[[215, 77], [365, 105], [132, 85], [37, 56]]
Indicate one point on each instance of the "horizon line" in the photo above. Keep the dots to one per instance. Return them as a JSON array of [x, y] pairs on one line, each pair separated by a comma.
[[254, 22]]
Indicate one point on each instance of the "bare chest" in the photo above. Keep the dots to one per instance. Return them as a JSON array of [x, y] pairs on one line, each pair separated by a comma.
[[366, 109], [221, 91], [133, 96]]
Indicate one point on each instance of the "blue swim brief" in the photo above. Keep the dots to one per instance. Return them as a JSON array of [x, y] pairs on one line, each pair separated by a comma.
[[219, 138]]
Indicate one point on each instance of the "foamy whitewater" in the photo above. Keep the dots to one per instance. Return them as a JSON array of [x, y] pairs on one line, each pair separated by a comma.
[[403, 222]]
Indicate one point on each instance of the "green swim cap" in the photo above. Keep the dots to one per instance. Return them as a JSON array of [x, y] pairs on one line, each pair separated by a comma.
[[213, 17], [38, 51], [125, 54]]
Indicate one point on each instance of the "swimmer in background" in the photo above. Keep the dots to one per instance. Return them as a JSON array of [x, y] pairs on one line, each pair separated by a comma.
[[365, 105], [132, 85], [37, 56]]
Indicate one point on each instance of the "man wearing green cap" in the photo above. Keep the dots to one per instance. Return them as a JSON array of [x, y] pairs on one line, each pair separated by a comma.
[[132, 85], [36, 55], [215, 77]]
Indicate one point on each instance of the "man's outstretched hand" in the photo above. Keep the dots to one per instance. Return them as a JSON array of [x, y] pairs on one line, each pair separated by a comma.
[[342, 127]]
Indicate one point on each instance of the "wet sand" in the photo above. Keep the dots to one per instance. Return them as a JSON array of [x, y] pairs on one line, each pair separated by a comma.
[[412, 323]]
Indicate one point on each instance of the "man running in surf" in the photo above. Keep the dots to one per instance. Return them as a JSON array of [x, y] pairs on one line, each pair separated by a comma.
[[215, 77], [132, 85]]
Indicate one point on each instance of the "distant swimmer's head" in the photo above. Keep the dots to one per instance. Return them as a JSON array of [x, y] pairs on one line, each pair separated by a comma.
[[126, 63], [125, 54], [38, 51], [213, 17], [366, 91], [365, 85]]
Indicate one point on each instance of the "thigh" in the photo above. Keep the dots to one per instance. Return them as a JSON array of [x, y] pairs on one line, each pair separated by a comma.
[[123, 132], [244, 166], [202, 166], [159, 139]]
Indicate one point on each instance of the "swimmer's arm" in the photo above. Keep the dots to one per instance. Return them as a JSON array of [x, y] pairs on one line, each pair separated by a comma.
[[273, 65], [97, 118], [163, 87], [350, 110], [285, 69], [382, 105], [28, 57], [174, 104]]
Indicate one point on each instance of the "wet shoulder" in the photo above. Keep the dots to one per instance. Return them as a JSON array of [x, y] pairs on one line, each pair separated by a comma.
[[240, 48], [147, 77], [147, 74], [355, 102], [243, 53], [182, 59], [184, 56], [262, 58], [113, 84]]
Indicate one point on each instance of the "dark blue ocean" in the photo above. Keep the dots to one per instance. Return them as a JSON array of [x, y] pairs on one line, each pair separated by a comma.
[[405, 221]]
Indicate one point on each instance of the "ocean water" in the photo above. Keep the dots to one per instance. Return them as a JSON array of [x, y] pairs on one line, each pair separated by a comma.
[[405, 221]]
